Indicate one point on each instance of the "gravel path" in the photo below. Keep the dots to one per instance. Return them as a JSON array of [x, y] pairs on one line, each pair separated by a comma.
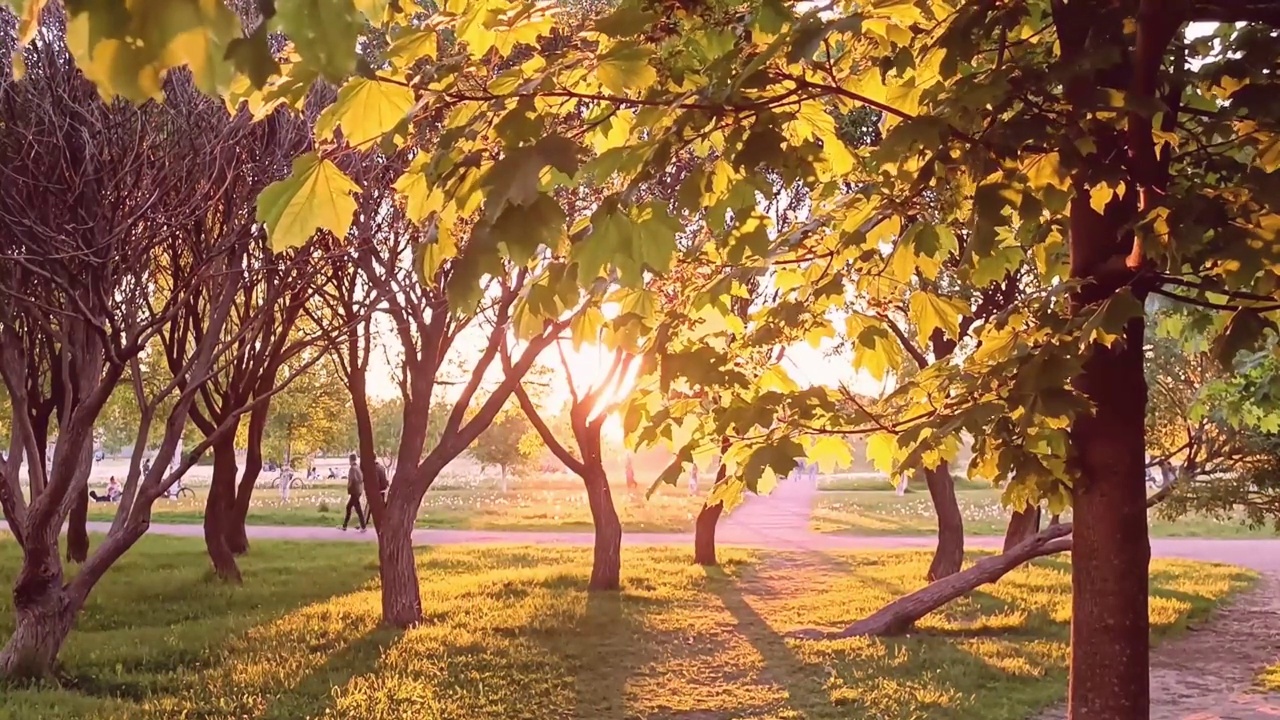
[[1208, 674]]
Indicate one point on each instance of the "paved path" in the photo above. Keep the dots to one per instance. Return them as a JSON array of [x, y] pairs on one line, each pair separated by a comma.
[[1206, 675]]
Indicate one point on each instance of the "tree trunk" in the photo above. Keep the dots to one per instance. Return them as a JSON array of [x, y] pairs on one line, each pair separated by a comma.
[[606, 563], [237, 537], [1109, 622], [401, 597], [949, 555], [219, 514], [78, 528], [41, 628], [1023, 524], [704, 535], [900, 615], [44, 610]]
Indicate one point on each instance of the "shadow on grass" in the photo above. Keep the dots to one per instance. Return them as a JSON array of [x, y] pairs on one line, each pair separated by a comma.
[[781, 664], [158, 614], [314, 692]]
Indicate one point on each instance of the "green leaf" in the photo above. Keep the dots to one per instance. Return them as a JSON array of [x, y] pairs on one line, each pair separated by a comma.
[[625, 67], [324, 32], [315, 196], [1244, 331], [1107, 323], [252, 57], [365, 110], [625, 22], [521, 229]]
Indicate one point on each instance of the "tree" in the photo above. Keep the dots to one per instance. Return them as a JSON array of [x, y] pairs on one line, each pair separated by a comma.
[[93, 282], [590, 406], [1099, 131], [506, 443]]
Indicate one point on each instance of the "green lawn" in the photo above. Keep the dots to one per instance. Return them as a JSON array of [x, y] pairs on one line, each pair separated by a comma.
[[865, 506], [510, 633], [545, 502]]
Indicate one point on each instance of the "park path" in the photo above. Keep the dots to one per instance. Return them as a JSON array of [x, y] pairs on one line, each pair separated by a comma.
[[1207, 674]]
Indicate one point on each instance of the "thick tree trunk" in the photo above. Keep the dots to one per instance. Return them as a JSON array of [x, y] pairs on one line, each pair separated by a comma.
[[1023, 525], [401, 597], [219, 514], [949, 555], [900, 615], [41, 628], [1109, 622], [704, 535], [78, 528], [606, 563], [44, 610]]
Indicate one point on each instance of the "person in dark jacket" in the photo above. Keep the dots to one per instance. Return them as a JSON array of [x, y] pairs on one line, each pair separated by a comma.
[[355, 491], [384, 484]]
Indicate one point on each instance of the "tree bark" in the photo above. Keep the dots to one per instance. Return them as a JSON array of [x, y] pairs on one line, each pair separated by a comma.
[[606, 563], [901, 615], [237, 537], [44, 610], [42, 625], [1023, 524], [704, 535], [1109, 622], [219, 514], [401, 597], [949, 555], [78, 528]]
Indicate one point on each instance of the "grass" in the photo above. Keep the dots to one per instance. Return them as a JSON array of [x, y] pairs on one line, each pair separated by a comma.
[[510, 633], [863, 506], [544, 502]]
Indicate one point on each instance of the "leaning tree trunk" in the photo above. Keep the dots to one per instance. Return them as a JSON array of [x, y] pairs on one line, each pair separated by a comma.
[[1023, 525], [219, 514], [1109, 622], [949, 555], [401, 597], [606, 564], [78, 527], [704, 535], [900, 615], [44, 612]]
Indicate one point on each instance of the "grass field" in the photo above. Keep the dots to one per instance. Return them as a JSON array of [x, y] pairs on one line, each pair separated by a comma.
[[543, 502], [867, 506], [510, 633]]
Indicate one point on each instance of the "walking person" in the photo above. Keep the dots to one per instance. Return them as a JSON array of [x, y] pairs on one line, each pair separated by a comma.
[[355, 491]]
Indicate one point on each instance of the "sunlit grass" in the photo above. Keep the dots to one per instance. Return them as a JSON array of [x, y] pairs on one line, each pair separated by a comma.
[[865, 510], [510, 633], [538, 502]]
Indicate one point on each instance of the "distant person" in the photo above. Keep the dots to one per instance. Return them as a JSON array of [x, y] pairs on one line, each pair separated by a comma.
[[631, 474], [355, 491], [112, 494], [693, 480]]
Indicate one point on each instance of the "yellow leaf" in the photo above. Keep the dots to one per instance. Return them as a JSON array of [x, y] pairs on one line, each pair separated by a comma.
[[28, 12], [881, 449], [930, 312], [412, 47], [365, 110], [315, 196], [785, 279], [776, 378], [1045, 170], [625, 67], [831, 452]]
